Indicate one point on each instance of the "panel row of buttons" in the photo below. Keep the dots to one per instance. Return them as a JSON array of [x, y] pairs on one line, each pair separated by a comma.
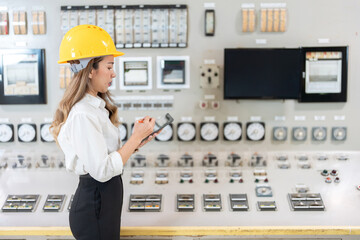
[[28, 203]]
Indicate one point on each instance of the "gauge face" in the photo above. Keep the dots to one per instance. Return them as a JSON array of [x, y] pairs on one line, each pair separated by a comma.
[[319, 133], [255, 131], [279, 133], [209, 131], [123, 131], [6, 132], [186, 131], [45, 133], [27, 132], [132, 128], [339, 133], [232, 131], [299, 133], [166, 133]]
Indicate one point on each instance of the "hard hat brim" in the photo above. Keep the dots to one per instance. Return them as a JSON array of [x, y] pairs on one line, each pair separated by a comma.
[[115, 54]]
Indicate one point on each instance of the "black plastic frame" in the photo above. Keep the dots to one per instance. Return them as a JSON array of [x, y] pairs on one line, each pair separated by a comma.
[[325, 97], [226, 123], [25, 99]]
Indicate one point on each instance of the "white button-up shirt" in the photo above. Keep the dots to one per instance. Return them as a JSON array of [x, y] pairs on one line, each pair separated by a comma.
[[90, 141]]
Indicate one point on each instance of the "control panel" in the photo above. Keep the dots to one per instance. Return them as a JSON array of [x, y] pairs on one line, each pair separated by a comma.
[[226, 186]]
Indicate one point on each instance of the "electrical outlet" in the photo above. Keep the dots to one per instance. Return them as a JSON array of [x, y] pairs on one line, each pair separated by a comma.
[[209, 76]]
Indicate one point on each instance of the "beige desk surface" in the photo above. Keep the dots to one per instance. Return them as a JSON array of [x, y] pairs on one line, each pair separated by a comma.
[[191, 231]]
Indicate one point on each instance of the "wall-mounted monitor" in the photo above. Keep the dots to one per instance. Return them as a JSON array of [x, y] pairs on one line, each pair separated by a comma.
[[135, 73], [262, 73], [22, 76], [173, 72], [324, 77]]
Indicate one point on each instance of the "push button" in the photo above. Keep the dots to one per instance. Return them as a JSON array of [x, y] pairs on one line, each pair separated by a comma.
[[325, 172], [328, 180]]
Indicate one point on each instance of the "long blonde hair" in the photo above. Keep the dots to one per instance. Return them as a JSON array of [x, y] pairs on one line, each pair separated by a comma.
[[78, 87]]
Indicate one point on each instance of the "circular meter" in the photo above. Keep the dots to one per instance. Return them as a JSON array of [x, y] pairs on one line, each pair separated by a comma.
[[319, 133], [27, 132], [209, 131], [232, 131], [299, 133], [166, 133], [45, 134], [255, 131], [123, 131], [186, 132], [279, 133], [339, 133], [6, 132]]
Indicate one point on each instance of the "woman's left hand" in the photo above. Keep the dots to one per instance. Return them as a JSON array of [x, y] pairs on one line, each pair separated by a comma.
[[151, 137]]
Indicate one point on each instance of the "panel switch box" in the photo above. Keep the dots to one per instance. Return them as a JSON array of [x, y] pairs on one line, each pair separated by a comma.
[[209, 76]]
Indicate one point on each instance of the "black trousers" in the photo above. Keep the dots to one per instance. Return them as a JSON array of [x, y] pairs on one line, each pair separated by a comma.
[[95, 212]]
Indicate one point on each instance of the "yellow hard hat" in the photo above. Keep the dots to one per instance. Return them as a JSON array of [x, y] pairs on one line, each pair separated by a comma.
[[86, 41]]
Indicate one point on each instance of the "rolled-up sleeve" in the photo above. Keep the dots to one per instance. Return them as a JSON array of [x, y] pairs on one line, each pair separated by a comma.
[[90, 146]]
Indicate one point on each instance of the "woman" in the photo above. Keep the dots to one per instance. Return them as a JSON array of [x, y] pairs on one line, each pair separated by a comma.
[[85, 128]]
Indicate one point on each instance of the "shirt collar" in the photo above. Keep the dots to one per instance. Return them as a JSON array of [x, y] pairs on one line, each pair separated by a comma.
[[97, 101]]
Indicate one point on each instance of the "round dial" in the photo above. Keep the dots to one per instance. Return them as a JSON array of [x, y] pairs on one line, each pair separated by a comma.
[[26, 132], [6, 132], [319, 133], [339, 133], [166, 133], [209, 131], [232, 131], [299, 133], [123, 131], [280, 133], [255, 131], [186, 131], [45, 133]]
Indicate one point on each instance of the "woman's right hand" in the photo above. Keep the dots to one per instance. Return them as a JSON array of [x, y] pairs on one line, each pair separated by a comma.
[[143, 127]]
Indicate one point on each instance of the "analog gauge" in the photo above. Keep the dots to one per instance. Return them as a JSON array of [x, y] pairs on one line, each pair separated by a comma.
[[45, 134], [255, 131], [299, 133], [279, 133], [339, 133], [232, 131], [27, 132], [132, 128], [186, 132], [166, 133], [123, 131], [6, 132], [209, 131], [319, 133]]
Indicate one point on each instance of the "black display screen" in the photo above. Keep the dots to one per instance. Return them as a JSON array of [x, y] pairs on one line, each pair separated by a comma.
[[262, 73]]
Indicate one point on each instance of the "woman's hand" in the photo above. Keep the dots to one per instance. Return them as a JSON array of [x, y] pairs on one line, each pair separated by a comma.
[[143, 128], [151, 137]]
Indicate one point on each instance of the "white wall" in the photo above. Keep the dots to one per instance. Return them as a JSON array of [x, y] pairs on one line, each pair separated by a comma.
[[308, 20]]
